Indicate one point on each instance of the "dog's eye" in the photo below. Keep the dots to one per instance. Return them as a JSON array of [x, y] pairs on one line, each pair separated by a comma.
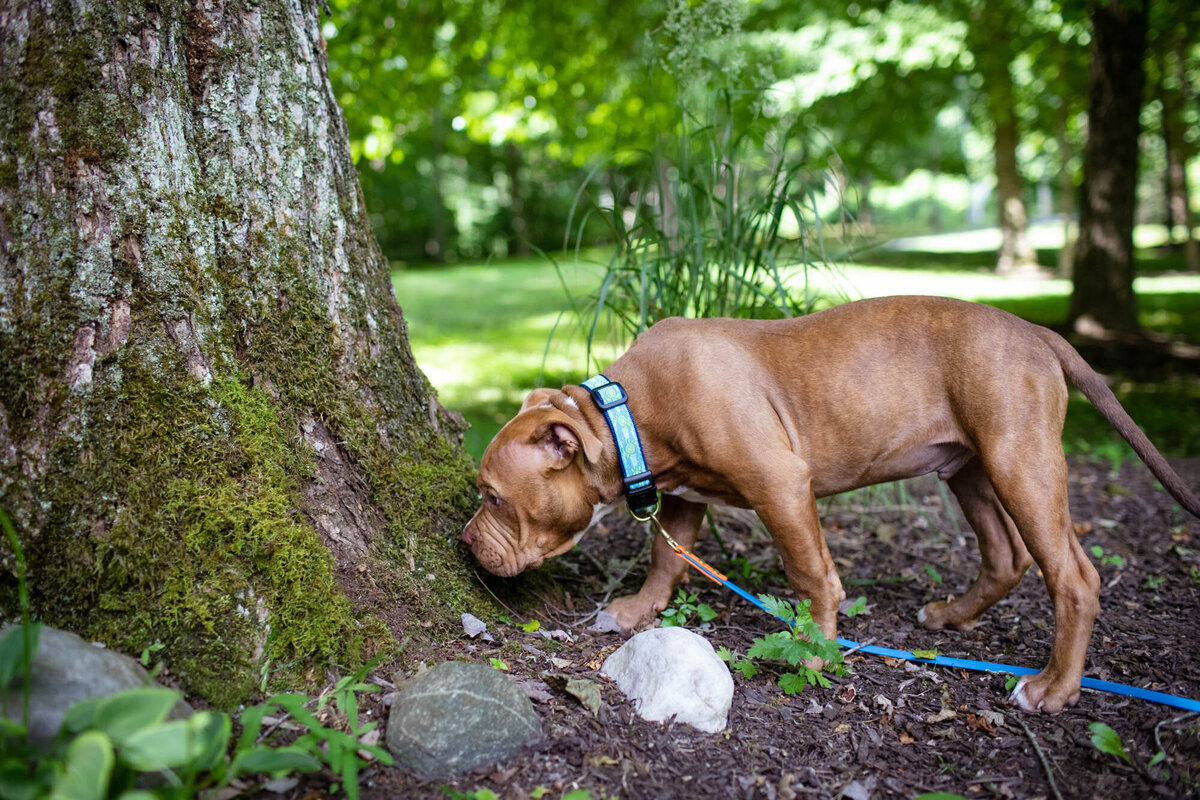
[[494, 499]]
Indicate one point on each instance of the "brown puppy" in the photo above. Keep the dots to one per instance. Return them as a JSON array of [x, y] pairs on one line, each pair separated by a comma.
[[772, 415]]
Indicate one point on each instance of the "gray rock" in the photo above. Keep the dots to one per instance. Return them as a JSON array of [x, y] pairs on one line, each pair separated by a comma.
[[672, 672], [67, 669], [457, 716]]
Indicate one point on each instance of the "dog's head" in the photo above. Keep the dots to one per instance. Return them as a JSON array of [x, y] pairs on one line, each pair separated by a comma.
[[536, 494]]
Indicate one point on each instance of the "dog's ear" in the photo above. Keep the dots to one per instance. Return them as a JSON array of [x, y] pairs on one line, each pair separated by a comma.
[[562, 437], [538, 397]]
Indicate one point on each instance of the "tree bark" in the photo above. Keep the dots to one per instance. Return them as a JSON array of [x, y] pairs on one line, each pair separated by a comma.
[[1103, 270], [212, 430]]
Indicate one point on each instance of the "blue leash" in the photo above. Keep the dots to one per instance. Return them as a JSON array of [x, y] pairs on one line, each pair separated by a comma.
[[1162, 698]]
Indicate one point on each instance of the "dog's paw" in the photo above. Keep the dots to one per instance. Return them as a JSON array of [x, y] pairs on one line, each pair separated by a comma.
[[941, 614], [1036, 693], [632, 611]]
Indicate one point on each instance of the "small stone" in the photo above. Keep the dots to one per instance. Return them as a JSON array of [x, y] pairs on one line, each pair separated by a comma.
[[673, 672], [457, 716], [67, 669], [473, 625]]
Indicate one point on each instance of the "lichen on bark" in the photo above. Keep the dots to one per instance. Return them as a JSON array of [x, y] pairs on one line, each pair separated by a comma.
[[212, 430]]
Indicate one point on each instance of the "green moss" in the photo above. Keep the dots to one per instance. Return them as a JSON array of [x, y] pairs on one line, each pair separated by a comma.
[[206, 550]]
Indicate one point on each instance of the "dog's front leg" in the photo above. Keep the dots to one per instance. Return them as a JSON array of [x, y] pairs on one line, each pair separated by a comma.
[[682, 520], [787, 506]]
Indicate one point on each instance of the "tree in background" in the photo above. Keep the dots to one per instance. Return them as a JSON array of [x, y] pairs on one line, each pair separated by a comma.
[[993, 56], [1104, 266], [1174, 26], [212, 430]]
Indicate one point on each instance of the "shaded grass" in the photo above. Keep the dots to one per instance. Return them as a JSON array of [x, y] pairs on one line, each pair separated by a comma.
[[480, 333]]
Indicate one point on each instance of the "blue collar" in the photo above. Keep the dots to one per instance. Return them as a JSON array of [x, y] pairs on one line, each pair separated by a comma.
[[640, 492]]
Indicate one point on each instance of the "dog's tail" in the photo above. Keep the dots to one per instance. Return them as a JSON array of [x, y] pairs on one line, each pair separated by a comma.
[[1099, 395]]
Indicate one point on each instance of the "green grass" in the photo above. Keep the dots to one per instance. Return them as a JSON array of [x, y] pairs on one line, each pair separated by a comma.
[[480, 332]]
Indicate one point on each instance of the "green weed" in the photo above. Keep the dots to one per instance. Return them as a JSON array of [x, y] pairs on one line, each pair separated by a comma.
[[684, 608], [796, 647]]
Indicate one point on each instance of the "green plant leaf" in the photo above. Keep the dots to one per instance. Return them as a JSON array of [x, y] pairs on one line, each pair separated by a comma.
[[531, 627], [88, 768], [1106, 740], [926, 654], [122, 714], [747, 668], [273, 761], [792, 682], [706, 612], [12, 651], [191, 745]]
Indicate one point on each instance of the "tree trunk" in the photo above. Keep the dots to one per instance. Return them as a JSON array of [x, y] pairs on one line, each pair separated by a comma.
[[1103, 270], [1066, 182], [516, 201], [212, 430], [1015, 252], [1172, 93]]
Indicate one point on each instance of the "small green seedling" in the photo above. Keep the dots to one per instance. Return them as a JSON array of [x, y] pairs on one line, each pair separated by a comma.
[[859, 606], [933, 574], [1155, 582], [498, 663], [685, 607], [1106, 740], [1107, 559], [154, 648], [533, 626]]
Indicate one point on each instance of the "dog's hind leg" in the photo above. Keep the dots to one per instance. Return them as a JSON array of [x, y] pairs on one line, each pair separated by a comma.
[[1003, 556], [1031, 481]]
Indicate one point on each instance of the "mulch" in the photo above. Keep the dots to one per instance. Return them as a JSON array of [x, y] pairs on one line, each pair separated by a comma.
[[889, 729]]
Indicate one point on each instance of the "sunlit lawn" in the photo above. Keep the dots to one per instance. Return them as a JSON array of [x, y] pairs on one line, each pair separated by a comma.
[[481, 331]]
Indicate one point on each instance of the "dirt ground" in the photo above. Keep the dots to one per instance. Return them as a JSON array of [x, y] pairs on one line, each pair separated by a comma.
[[888, 729]]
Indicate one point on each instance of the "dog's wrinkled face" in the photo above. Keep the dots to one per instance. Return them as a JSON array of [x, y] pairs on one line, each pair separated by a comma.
[[535, 496]]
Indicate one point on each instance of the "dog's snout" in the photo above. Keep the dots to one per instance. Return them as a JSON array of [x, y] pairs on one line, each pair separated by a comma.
[[468, 536]]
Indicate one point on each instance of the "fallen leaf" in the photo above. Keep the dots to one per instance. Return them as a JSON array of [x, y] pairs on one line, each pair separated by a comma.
[[905, 738], [585, 691], [842, 728], [978, 723], [538, 691], [603, 761], [885, 532], [941, 716], [994, 717], [846, 695]]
